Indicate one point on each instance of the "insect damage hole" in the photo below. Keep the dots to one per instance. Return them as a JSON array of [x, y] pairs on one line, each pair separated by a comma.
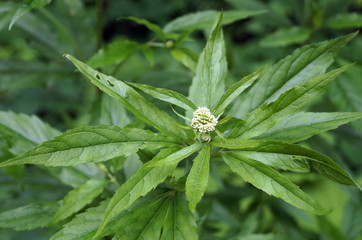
[[110, 84], [98, 77]]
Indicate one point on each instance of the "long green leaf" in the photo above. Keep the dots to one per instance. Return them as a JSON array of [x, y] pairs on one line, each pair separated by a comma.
[[205, 19], [345, 20], [323, 164], [90, 144], [28, 217], [303, 64], [208, 84], [180, 223], [79, 197], [85, 225], [303, 125], [132, 100], [234, 91], [166, 95], [272, 182], [31, 4], [286, 36], [278, 161], [177, 156], [29, 127], [289, 103], [196, 182], [151, 26], [143, 181], [113, 53], [149, 227]]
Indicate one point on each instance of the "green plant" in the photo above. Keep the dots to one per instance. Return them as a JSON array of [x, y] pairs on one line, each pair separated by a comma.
[[254, 132]]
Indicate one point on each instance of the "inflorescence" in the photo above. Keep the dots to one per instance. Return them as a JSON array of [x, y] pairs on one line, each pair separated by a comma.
[[203, 120]]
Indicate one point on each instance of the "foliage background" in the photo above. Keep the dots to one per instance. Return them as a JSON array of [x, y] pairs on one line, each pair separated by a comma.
[[36, 79]]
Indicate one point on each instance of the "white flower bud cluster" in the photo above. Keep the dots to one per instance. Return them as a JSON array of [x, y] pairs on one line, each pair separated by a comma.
[[203, 120]]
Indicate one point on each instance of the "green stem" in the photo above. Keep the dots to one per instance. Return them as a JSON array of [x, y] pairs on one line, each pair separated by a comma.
[[62, 29], [105, 170]]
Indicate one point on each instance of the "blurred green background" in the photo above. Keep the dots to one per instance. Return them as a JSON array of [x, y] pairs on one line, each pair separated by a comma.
[[36, 79]]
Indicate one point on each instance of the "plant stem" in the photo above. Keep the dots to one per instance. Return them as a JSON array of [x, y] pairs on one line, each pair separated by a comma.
[[105, 170]]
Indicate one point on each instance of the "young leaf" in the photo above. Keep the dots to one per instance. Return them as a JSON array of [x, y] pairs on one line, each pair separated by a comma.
[[186, 56], [234, 91], [196, 182], [303, 64], [28, 217], [205, 19], [151, 26], [132, 100], [277, 160], [90, 144], [267, 115], [79, 197], [177, 156], [113, 53], [83, 226], [303, 125], [166, 95], [208, 84], [179, 223], [323, 164], [29, 127], [271, 182], [143, 181]]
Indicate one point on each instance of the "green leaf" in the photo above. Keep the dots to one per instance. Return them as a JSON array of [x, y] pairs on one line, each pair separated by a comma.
[[205, 19], [79, 197], [197, 180], [28, 217], [143, 181], [113, 53], [132, 100], [208, 84], [31, 4], [151, 26], [30, 128], [90, 144], [113, 113], [303, 64], [270, 181], [234, 91], [180, 223], [323, 164], [149, 227], [166, 95], [177, 156], [186, 56], [288, 104], [345, 93], [345, 20], [277, 160], [84, 225], [302, 126], [286, 36]]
